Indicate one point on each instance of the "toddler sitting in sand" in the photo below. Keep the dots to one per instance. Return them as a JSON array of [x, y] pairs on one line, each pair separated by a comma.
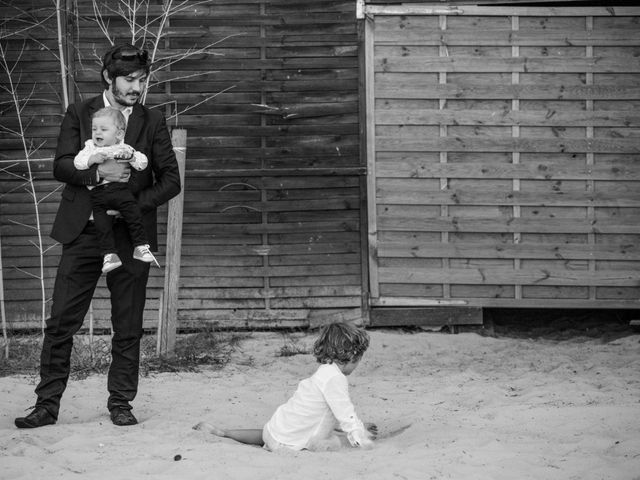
[[308, 420]]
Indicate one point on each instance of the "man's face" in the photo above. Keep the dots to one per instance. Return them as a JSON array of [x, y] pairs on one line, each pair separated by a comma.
[[104, 131], [126, 91]]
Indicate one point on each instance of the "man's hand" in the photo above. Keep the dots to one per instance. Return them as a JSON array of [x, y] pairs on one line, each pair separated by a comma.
[[115, 171]]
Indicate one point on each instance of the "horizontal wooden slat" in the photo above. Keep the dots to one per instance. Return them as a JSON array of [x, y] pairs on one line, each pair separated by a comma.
[[392, 196], [509, 302], [417, 85], [260, 64], [501, 11], [410, 34], [506, 144], [212, 17], [434, 316], [271, 292], [412, 167], [578, 251], [193, 36], [276, 271], [549, 276], [311, 248], [594, 118], [412, 60], [417, 223]]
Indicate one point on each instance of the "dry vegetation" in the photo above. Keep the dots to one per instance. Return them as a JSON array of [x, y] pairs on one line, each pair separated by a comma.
[[89, 356]]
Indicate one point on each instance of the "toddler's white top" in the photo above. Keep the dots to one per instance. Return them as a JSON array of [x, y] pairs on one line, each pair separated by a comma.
[[139, 160], [312, 412]]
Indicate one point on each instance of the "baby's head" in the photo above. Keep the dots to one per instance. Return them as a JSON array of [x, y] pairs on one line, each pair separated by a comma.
[[107, 127], [340, 343]]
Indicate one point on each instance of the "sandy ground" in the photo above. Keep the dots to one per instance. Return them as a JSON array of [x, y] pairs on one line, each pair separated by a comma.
[[460, 406]]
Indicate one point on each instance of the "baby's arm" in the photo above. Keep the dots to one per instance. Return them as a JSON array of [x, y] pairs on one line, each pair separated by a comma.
[[139, 161], [88, 156], [126, 153]]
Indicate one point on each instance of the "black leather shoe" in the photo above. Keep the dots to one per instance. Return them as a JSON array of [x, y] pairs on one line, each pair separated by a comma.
[[38, 418], [122, 417]]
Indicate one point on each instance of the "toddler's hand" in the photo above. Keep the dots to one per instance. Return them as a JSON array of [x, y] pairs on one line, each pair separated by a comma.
[[97, 158], [360, 438], [124, 153]]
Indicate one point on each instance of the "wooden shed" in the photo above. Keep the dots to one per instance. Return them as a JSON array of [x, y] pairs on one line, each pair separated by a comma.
[[351, 159]]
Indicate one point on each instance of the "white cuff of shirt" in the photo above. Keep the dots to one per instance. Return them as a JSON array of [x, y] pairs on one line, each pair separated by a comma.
[[359, 438]]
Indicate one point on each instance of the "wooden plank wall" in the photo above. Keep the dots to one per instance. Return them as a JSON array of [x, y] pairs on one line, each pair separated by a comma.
[[506, 147], [28, 38], [274, 182]]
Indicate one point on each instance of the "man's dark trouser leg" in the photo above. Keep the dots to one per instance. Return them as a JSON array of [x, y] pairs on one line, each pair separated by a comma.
[[76, 279], [127, 285]]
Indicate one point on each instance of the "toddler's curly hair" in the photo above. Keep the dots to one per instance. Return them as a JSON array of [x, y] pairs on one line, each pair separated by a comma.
[[341, 343]]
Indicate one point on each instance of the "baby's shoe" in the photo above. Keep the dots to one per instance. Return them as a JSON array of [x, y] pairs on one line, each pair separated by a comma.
[[142, 253], [111, 262]]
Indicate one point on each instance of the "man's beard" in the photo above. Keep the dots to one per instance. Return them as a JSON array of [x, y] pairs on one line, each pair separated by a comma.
[[121, 98]]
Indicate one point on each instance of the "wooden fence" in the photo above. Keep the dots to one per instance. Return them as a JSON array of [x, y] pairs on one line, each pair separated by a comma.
[[501, 156], [503, 147], [274, 180]]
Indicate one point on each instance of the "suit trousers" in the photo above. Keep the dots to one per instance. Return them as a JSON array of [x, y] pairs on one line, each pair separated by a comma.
[[76, 279]]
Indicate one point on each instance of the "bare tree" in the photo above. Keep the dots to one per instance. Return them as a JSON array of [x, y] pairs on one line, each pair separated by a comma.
[[18, 102], [147, 25]]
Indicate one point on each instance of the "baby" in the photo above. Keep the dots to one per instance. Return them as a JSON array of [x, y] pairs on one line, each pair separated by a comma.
[[108, 127], [308, 420]]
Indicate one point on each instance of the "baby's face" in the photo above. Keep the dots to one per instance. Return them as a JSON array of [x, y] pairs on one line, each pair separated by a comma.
[[104, 132]]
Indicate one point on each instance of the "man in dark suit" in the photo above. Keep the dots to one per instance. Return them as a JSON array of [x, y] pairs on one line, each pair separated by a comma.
[[124, 74]]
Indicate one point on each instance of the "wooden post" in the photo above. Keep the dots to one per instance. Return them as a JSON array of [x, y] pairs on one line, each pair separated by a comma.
[[370, 139], [169, 298]]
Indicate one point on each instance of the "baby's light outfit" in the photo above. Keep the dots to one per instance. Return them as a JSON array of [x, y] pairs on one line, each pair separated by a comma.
[[113, 196]]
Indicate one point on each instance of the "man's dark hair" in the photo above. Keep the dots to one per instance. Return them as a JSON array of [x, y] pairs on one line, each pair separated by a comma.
[[122, 60]]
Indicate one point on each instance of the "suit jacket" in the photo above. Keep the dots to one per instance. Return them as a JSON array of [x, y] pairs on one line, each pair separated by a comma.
[[146, 132]]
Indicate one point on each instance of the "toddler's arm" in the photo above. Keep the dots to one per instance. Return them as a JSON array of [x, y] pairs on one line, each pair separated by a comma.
[[126, 153], [139, 160], [336, 393], [88, 156]]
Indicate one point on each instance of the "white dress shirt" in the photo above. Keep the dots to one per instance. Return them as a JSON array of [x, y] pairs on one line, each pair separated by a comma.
[[320, 403]]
